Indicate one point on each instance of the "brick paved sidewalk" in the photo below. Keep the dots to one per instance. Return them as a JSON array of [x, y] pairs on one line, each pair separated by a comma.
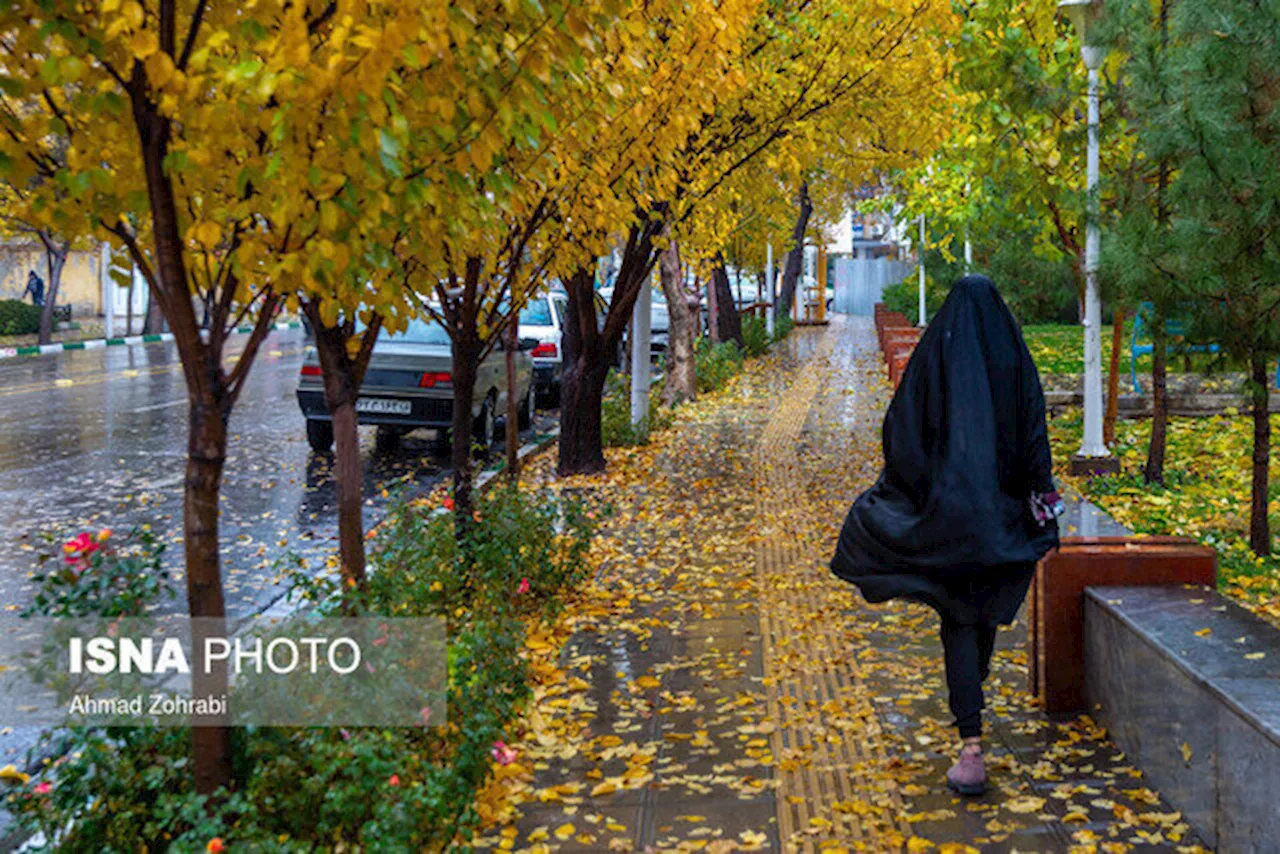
[[721, 691]]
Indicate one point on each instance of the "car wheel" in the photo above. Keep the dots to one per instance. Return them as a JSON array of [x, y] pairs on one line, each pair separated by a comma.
[[320, 435], [388, 437], [527, 408]]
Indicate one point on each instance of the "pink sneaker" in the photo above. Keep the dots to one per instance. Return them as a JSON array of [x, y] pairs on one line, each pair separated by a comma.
[[969, 775]]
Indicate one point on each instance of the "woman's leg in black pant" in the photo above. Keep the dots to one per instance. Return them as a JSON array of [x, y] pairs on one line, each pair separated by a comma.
[[967, 652], [986, 648]]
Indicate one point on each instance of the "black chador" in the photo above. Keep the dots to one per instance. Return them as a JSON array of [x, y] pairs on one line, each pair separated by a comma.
[[958, 518]]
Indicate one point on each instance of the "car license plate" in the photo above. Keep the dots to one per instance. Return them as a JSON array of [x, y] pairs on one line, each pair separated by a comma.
[[383, 406]]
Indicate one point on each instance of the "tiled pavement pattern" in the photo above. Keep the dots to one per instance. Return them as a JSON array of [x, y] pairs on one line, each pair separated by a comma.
[[720, 691]]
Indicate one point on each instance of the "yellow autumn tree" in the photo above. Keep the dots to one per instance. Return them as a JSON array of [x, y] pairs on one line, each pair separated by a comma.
[[793, 63], [174, 127]]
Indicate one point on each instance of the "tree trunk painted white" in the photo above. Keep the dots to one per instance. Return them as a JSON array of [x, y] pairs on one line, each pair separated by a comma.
[[920, 259], [1092, 446], [640, 335], [108, 291], [769, 319]]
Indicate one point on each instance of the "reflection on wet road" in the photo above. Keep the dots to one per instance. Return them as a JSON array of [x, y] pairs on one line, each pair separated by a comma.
[[97, 438]]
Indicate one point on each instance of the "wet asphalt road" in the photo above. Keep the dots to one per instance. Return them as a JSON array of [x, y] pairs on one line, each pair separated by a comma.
[[97, 438]]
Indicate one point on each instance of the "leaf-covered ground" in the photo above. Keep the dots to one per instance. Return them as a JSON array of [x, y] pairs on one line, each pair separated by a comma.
[[1206, 494], [716, 689]]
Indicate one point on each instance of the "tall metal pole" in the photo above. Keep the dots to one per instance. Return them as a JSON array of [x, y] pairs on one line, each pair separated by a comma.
[[920, 254], [1092, 446], [769, 319], [640, 357], [108, 293]]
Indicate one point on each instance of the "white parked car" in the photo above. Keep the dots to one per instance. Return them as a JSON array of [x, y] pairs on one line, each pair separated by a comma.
[[659, 320], [543, 319]]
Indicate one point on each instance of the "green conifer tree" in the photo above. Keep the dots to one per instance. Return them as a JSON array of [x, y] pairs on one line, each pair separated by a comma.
[[1207, 102]]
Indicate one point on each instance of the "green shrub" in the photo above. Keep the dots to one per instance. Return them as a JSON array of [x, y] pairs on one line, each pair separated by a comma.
[[100, 576], [782, 326], [716, 364], [306, 789], [18, 317], [905, 296], [1038, 290], [755, 336], [616, 428]]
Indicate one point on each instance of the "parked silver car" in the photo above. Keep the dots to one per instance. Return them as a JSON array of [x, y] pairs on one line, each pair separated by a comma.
[[409, 384]]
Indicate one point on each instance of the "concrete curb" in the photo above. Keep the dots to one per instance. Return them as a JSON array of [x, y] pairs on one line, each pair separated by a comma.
[[527, 450], [99, 343]]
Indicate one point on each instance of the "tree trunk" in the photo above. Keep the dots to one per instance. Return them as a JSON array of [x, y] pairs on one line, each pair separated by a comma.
[[713, 310], [795, 258], [681, 382], [581, 383], [343, 376], [346, 438], [211, 393], [206, 457], [1113, 378], [724, 317], [581, 437], [1259, 524], [1153, 472], [154, 322], [588, 345], [466, 363], [56, 256], [511, 347]]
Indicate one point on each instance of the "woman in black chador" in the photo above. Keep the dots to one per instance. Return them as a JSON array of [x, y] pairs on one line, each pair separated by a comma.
[[966, 504]]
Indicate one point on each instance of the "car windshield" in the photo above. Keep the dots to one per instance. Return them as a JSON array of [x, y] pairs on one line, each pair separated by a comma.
[[536, 313], [419, 332]]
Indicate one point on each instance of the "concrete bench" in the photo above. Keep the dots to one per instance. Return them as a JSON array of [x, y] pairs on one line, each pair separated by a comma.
[[1188, 683]]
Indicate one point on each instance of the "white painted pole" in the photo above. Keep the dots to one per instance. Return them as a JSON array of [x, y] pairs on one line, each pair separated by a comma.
[[968, 244], [920, 258], [769, 280], [640, 357], [1092, 446], [108, 292]]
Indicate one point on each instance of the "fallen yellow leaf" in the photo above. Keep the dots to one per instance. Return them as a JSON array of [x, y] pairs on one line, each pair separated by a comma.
[[10, 774], [1024, 804]]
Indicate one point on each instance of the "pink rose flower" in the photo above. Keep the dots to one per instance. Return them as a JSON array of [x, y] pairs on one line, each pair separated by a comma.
[[503, 754]]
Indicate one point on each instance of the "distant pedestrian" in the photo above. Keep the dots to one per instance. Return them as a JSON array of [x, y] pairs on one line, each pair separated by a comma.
[[966, 504], [35, 287]]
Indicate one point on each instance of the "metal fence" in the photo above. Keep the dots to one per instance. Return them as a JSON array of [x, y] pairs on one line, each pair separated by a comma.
[[860, 282]]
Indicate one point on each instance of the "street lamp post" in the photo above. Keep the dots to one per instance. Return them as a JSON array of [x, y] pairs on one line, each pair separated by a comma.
[[920, 260], [1094, 456], [968, 243]]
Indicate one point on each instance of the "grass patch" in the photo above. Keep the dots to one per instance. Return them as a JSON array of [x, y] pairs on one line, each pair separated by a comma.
[[1059, 349], [1205, 494]]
